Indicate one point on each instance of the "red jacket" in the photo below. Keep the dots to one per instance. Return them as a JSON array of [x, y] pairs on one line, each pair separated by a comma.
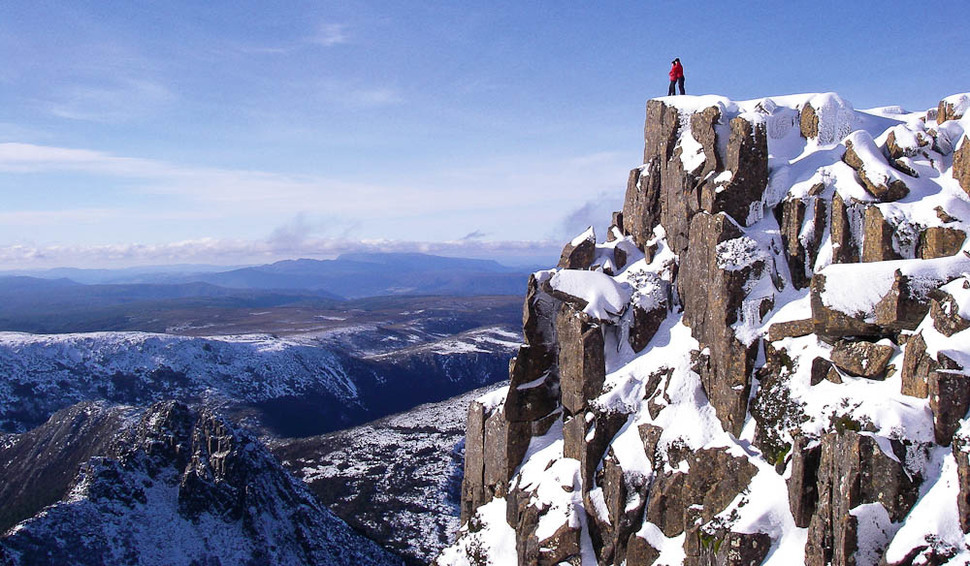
[[676, 71]]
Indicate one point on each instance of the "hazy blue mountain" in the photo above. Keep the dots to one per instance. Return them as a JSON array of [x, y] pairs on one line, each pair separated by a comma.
[[373, 274]]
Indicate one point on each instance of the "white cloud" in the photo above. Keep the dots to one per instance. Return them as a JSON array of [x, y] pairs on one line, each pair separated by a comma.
[[525, 198], [238, 251]]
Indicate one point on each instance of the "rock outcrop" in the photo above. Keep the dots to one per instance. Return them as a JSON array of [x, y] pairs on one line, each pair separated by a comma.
[[783, 347], [168, 484]]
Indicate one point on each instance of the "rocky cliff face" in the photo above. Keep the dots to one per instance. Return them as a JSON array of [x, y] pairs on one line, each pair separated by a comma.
[[766, 361], [98, 484]]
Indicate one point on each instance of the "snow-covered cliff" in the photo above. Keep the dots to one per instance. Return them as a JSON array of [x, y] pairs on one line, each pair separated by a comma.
[[766, 360]]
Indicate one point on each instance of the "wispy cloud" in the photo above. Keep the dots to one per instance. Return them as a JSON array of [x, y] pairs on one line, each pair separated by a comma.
[[476, 235], [518, 200], [596, 212], [123, 101], [237, 251], [330, 34]]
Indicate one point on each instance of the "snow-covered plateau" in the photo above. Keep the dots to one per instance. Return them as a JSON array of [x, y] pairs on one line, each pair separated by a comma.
[[766, 361]]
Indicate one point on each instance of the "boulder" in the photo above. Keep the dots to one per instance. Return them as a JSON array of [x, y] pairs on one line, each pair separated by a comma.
[[952, 108], [639, 552], [904, 142], [862, 358], [877, 176], [831, 322], [826, 118], [823, 369], [650, 307], [945, 312], [563, 546], [808, 122], [917, 366], [667, 503], [903, 307], [617, 221], [580, 252], [949, 393], [790, 329], [734, 549], [940, 241]]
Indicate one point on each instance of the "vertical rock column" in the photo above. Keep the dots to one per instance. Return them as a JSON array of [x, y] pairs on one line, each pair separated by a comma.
[[710, 310]]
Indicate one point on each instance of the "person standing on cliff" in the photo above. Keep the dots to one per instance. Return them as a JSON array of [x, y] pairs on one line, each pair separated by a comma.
[[676, 77]]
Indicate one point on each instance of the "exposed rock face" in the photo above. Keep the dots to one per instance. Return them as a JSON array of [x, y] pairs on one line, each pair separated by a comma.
[[952, 108], [801, 245], [764, 290], [877, 243], [713, 308], [961, 165], [167, 485], [582, 367], [714, 480], [853, 470]]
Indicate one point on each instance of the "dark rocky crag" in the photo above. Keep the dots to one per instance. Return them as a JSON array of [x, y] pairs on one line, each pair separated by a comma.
[[747, 261], [101, 484]]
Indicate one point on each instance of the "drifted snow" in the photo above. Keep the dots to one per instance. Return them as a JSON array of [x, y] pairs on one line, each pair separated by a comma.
[[605, 297], [857, 287]]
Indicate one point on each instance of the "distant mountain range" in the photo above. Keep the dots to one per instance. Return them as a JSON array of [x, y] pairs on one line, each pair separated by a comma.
[[80, 300], [373, 274], [350, 276]]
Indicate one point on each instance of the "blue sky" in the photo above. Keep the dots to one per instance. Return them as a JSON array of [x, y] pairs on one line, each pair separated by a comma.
[[245, 132]]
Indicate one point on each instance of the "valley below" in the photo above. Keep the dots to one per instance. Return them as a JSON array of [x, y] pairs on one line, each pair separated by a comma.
[[363, 401]]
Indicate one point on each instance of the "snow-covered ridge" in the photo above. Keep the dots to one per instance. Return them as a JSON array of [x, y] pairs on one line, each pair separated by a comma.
[[251, 368]]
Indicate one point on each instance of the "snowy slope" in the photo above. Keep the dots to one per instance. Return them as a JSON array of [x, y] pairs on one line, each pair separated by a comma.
[[396, 479]]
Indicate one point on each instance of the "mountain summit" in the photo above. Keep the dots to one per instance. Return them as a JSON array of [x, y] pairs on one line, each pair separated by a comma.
[[767, 360]]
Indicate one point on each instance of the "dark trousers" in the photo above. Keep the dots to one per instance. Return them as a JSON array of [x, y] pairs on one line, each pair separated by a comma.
[[678, 82]]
